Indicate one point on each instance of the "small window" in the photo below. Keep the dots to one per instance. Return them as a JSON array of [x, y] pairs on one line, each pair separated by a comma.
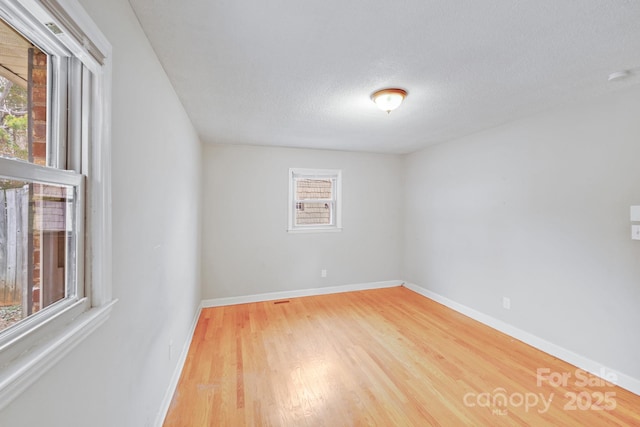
[[315, 200]]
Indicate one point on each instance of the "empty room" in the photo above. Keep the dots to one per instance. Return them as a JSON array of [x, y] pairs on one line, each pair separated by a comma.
[[218, 213]]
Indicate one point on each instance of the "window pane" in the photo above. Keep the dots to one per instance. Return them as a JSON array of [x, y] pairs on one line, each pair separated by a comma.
[[314, 213], [23, 98], [36, 247], [314, 189]]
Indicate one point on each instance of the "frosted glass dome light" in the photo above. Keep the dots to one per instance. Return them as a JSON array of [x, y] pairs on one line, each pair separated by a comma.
[[389, 99]]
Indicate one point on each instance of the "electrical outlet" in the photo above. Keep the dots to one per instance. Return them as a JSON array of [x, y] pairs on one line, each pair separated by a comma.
[[323, 273], [506, 303]]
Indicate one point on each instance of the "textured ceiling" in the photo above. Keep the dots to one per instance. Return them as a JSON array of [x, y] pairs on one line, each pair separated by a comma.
[[300, 73]]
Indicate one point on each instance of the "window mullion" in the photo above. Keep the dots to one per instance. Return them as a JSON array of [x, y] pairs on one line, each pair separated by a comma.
[[57, 112], [84, 144], [75, 263], [74, 134]]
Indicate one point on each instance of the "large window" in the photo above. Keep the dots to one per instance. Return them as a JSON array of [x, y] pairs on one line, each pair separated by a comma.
[[40, 218], [54, 185], [315, 200]]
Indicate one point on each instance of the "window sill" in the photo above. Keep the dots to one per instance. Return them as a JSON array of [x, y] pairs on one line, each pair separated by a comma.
[[24, 370], [314, 230]]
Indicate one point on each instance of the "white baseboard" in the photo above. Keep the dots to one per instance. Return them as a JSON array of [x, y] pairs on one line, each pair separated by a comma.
[[625, 381], [173, 383], [218, 302]]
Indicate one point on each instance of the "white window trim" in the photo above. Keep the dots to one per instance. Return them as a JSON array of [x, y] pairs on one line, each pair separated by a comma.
[[33, 349], [322, 173]]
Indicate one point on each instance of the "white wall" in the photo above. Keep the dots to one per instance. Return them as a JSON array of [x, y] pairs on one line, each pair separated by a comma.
[[247, 249], [537, 210], [119, 375]]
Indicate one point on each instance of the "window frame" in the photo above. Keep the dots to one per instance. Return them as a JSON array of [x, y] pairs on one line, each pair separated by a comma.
[[37, 342], [336, 213]]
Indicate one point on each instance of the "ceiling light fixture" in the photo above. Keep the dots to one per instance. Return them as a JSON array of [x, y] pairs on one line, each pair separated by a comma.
[[389, 99]]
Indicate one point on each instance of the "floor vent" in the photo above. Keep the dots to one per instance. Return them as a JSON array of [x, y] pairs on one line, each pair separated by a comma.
[[281, 302]]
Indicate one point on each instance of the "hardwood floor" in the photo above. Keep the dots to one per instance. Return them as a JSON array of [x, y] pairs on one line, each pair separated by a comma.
[[387, 357]]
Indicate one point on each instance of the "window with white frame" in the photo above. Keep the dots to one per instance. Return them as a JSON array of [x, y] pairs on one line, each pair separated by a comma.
[[54, 185], [315, 200]]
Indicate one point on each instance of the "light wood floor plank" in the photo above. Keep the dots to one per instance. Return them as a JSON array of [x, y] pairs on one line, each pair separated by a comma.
[[386, 357]]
